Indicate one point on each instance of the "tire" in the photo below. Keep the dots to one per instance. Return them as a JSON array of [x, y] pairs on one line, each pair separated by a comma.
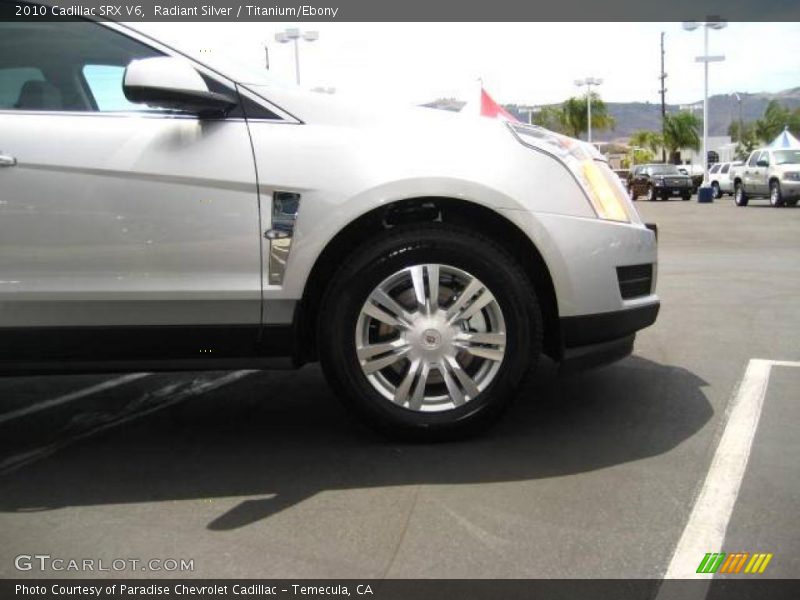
[[685, 197], [632, 192], [389, 398], [717, 191], [775, 194], [792, 202], [651, 194], [739, 196]]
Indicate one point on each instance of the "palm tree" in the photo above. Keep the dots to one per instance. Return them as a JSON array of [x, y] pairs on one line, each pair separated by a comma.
[[573, 115], [548, 117], [649, 140], [680, 131]]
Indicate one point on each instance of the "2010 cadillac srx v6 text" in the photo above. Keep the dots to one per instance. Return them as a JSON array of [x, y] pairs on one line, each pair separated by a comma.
[[163, 212]]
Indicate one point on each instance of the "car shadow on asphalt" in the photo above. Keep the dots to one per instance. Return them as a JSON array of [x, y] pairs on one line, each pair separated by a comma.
[[282, 438]]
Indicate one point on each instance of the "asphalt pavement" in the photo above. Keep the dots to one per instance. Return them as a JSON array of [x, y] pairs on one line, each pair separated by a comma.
[[262, 474]]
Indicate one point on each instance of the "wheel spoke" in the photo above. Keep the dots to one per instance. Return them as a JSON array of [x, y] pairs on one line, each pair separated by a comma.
[[494, 339], [456, 395], [473, 288], [384, 361], [419, 387], [401, 393], [481, 301], [367, 352], [483, 352], [418, 281], [381, 315], [379, 297], [433, 287], [465, 380]]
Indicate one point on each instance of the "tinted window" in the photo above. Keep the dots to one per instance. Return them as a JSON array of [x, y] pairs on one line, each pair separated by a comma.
[[764, 156], [714, 168], [725, 168], [74, 66], [11, 82], [664, 170], [753, 159]]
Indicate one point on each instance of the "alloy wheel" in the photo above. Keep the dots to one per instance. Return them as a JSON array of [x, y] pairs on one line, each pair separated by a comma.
[[430, 337]]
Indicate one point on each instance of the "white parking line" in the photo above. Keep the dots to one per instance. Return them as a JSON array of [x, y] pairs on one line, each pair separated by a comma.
[[100, 387], [705, 530], [146, 404]]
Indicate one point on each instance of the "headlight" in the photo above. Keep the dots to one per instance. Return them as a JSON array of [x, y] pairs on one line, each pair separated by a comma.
[[602, 187], [792, 176]]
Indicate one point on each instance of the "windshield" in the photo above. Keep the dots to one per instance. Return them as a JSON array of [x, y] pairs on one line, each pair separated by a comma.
[[665, 170], [787, 157]]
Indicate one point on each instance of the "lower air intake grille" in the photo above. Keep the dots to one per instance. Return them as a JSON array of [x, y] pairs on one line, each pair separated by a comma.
[[635, 280]]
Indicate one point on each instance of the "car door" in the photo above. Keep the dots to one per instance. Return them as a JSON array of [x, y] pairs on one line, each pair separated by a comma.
[[750, 174], [113, 215]]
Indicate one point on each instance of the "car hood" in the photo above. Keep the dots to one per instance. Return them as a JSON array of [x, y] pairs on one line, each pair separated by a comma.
[[341, 110]]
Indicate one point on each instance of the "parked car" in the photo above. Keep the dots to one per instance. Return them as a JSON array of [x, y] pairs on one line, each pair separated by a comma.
[[720, 180], [768, 173], [623, 175], [659, 181], [695, 172], [160, 213]]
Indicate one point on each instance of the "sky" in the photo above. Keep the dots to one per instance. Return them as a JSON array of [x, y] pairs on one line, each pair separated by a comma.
[[522, 63]]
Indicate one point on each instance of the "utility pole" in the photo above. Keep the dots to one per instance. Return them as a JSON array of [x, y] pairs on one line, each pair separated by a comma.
[[663, 101]]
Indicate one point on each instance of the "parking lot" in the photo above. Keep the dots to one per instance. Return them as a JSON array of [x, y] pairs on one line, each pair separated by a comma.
[[261, 474]]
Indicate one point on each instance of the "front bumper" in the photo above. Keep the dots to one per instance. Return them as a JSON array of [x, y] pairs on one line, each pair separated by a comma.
[[790, 188], [594, 340]]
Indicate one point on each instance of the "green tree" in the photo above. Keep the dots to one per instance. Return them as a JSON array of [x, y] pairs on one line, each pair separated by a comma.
[[680, 131], [646, 139], [776, 118], [548, 117], [574, 119], [746, 140]]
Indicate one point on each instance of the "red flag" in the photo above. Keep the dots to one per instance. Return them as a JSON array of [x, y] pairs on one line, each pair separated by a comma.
[[490, 108]]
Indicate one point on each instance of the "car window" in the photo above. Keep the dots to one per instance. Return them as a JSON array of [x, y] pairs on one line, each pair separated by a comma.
[[105, 84], [764, 156], [787, 157], [725, 168], [664, 170], [65, 66], [714, 168], [753, 159], [11, 81]]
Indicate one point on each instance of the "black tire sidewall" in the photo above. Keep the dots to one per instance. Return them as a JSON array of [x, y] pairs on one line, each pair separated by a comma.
[[418, 246]]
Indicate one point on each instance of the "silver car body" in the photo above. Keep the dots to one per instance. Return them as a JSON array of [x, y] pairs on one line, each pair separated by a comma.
[[126, 218]]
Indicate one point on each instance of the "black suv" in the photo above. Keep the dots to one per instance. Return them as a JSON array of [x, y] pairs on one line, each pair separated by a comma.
[[659, 182]]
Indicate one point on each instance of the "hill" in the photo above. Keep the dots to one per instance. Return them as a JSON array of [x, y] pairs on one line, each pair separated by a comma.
[[632, 116]]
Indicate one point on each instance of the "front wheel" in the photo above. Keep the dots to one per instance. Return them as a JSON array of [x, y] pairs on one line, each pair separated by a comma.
[[686, 197], [775, 194], [428, 332], [739, 196], [717, 192], [651, 193]]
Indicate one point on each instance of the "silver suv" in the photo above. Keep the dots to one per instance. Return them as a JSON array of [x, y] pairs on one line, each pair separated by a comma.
[[157, 212], [768, 173]]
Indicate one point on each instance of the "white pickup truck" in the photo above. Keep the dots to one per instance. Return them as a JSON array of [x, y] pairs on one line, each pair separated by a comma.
[[768, 173]]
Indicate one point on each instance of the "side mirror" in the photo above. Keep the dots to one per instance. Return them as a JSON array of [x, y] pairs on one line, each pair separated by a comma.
[[762, 163], [172, 83]]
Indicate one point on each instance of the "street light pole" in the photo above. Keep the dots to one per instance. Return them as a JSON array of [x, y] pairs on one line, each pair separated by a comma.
[[588, 82], [705, 59], [293, 34]]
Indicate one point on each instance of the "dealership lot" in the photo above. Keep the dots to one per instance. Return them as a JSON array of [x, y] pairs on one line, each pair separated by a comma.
[[261, 474]]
